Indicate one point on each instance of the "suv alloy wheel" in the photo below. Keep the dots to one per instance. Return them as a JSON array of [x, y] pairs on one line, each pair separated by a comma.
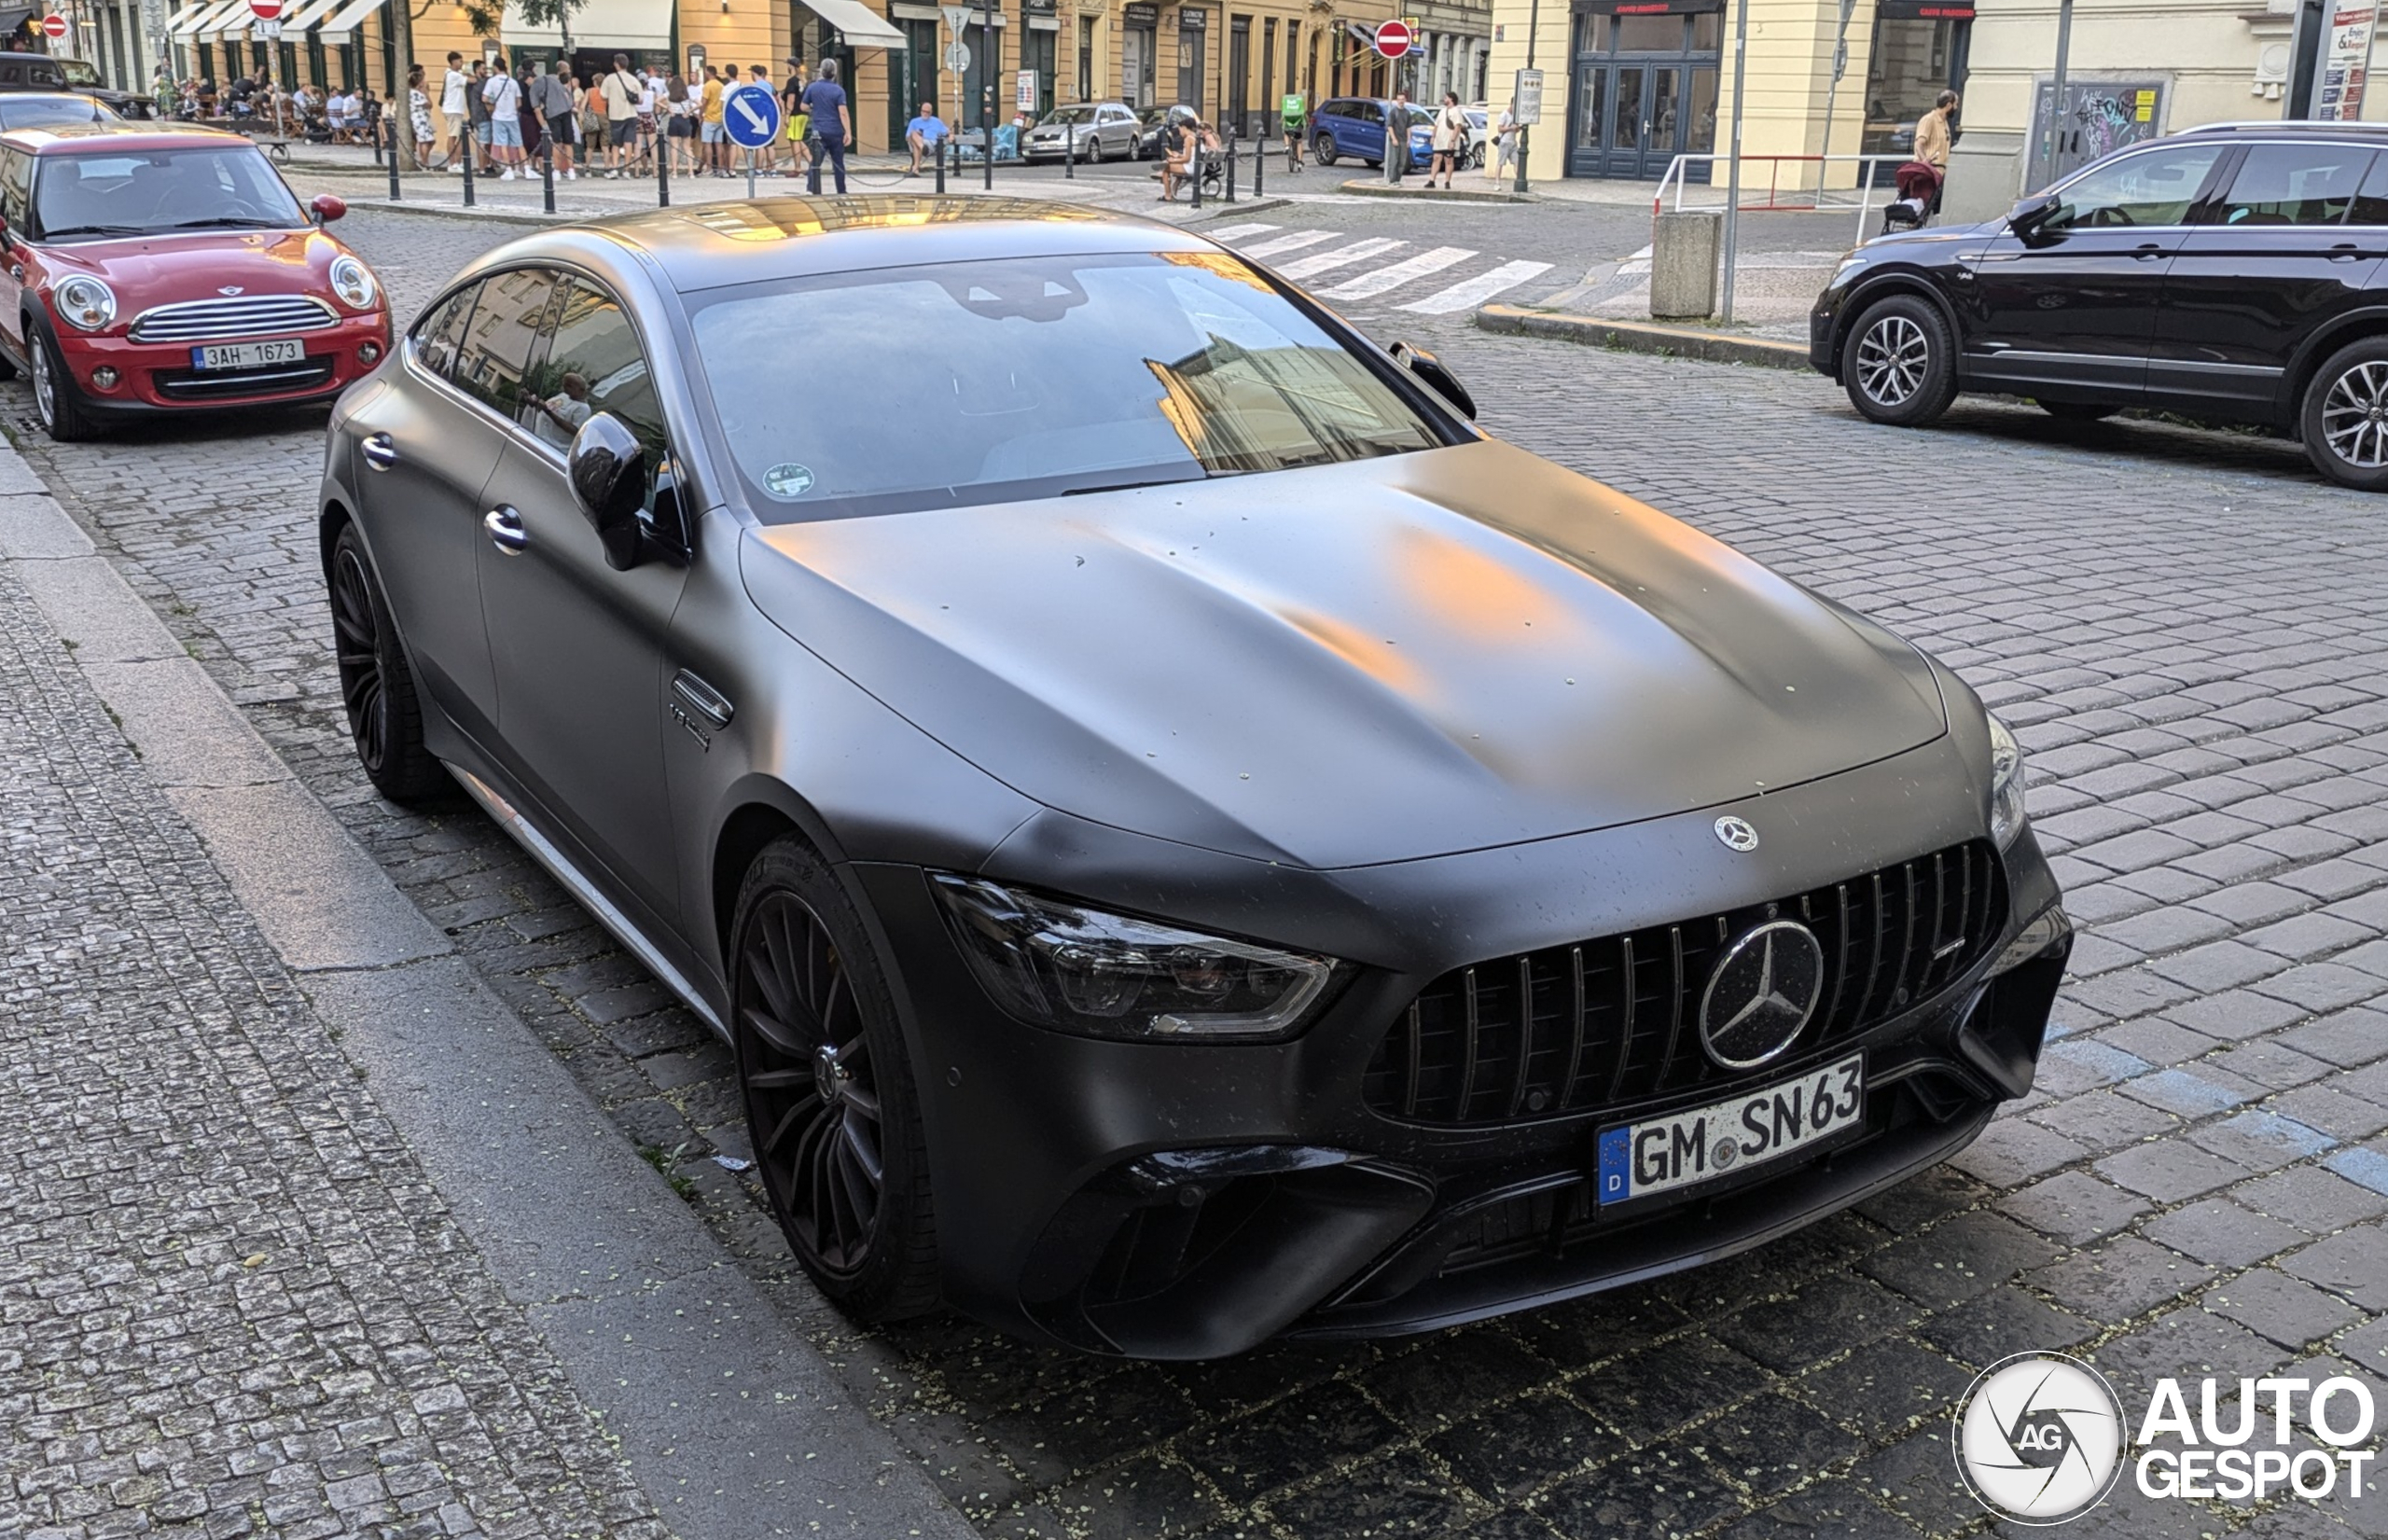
[[1898, 364], [2344, 418]]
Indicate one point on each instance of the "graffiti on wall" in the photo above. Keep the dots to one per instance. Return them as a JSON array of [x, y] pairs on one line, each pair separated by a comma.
[[2098, 118]]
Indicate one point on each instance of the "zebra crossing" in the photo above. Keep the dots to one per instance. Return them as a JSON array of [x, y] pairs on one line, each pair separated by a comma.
[[1383, 265]]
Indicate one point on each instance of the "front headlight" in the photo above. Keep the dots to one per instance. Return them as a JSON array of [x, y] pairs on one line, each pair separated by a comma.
[[85, 303], [2007, 814], [1061, 964], [353, 282]]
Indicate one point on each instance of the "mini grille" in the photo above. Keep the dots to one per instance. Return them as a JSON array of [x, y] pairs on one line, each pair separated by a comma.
[[215, 319], [1615, 1020]]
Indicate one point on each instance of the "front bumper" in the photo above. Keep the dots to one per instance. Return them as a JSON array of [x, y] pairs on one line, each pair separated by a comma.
[[1189, 1202], [152, 377]]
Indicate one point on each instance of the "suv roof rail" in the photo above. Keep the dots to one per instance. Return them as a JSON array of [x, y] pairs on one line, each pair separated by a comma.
[[2308, 125]]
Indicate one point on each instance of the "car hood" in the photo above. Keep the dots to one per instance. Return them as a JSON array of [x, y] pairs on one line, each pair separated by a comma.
[[155, 270], [1349, 664]]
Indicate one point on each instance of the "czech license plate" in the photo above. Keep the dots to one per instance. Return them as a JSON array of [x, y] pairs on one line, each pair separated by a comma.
[[1686, 1148], [247, 355]]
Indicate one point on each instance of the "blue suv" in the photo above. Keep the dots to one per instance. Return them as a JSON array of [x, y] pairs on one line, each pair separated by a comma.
[[1348, 125]]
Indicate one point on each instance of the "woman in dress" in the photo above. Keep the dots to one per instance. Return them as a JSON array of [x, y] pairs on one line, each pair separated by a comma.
[[419, 116], [1450, 132]]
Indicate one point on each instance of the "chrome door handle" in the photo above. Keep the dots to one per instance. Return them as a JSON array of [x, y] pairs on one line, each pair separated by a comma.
[[506, 531], [379, 450], [2149, 253], [2344, 254]]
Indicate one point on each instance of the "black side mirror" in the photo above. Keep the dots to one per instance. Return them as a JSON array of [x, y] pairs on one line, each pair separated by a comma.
[[1436, 375], [2026, 217], [608, 473]]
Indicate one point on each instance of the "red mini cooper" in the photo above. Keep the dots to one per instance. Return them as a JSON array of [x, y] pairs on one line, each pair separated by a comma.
[[153, 267]]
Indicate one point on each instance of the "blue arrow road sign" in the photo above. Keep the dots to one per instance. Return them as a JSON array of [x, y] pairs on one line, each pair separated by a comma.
[[751, 115]]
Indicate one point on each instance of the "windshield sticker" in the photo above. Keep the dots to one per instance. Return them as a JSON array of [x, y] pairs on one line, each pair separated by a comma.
[[788, 482]]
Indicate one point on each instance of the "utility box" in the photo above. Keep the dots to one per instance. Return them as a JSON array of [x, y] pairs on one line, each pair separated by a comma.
[[1683, 264]]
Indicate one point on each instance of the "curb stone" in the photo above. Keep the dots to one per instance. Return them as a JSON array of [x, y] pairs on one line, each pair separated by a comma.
[[733, 1424], [1643, 337]]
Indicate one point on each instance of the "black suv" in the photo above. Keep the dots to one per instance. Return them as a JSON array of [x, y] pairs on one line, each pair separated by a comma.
[[2233, 273], [49, 73]]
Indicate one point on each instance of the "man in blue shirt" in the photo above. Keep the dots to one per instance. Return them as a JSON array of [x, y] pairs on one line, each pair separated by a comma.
[[824, 103], [924, 133]]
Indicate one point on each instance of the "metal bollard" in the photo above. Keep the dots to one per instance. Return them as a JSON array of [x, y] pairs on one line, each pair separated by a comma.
[[942, 145], [1230, 165], [377, 144], [1070, 152], [1196, 167], [986, 155], [1260, 160], [393, 127], [662, 171], [547, 178], [466, 146]]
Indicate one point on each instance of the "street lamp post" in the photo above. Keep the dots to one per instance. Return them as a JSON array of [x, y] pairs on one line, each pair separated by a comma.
[[1733, 171], [1534, 25]]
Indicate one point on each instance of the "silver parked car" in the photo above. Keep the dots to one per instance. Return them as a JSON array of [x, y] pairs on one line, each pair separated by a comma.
[[1101, 131]]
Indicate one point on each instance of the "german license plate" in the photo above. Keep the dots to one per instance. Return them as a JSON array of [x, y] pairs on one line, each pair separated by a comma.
[[1683, 1150], [247, 355]]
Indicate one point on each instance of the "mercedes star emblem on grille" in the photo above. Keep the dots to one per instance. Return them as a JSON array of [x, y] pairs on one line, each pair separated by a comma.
[[1760, 993], [1738, 833]]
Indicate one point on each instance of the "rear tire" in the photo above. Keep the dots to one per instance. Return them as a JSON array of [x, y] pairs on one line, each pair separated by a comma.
[[2344, 418], [830, 1104], [1898, 364], [376, 685], [2076, 411]]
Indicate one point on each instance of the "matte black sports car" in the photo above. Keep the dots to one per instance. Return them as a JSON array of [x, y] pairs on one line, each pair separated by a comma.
[[1190, 838]]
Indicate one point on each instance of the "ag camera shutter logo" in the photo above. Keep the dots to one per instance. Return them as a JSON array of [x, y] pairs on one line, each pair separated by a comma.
[[2039, 1438]]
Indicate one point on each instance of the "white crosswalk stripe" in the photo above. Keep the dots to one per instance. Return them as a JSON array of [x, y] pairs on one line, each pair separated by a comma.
[[1295, 241], [1472, 292], [1368, 284], [1327, 261], [1231, 232]]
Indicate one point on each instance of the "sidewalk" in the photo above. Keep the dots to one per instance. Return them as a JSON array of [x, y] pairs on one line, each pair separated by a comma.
[[307, 1234]]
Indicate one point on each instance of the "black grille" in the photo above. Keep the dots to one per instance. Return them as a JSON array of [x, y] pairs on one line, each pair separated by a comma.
[[1614, 1020]]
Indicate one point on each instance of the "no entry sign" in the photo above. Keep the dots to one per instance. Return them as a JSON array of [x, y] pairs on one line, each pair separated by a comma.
[[1393, 38], [266, 10], [53, 25]]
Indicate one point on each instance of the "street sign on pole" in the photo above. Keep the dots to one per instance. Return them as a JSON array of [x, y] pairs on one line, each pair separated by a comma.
[[1393, 38], [1023, 92], [957, 57], [266, 31], [53, 25], [750, 116], [1529, 95], [957, 18], [266, 10]]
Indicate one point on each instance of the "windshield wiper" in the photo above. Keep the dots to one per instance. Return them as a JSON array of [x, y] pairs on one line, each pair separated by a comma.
[[1160, 478], [227, 222], [92, 229]]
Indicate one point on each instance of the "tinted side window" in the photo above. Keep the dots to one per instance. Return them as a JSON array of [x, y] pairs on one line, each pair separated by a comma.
[[1369, 112], [439, 334], [2294, 185], [594, 363], [11, 75], [497, 344], [2154, 188], [2371, 203]]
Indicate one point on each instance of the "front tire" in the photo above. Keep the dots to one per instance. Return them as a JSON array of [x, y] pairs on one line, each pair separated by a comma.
[[1899, 366], [1321, 150], [2344, 418], [827, 1085], [376, 684], [56, 402]]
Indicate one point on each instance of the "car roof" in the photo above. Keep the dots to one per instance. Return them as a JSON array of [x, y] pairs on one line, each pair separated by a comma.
[[67, 138], [2274, 127], [711, 245]]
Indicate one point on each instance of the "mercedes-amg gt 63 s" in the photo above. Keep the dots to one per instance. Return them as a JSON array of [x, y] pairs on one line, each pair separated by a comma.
[[1190, 839]]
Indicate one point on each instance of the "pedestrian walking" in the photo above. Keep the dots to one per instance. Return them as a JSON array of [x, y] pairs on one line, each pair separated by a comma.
[[453, 89], [501, 97], [620, 90], [680, 108], [832, 126], [1396, 137], [1449, 140], [419, 116], [1505, 141]]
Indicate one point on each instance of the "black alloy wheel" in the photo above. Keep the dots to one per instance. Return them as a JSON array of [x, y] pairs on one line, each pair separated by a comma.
[[376, 685], [2343, 419], [1898, 364], [828, 1090]]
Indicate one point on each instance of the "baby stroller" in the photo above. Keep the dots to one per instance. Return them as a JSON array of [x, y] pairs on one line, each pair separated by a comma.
[[1918, 186]]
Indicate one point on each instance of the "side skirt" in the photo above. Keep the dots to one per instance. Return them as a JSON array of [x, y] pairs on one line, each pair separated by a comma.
[[543, 851]]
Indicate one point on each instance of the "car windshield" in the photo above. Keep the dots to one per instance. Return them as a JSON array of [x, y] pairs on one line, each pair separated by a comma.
[[28, 112], [79, 72], [1149, 115], [976, 382], [1060, 116], [93, 194]]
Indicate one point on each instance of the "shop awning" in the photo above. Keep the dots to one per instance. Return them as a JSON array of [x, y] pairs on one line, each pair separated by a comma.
[[296, 20], [623, 24], [13, 17], [340, 27], [861, 27], [190, 18], [228, 19]]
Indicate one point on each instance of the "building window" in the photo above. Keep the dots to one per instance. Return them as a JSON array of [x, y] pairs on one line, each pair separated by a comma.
[[1913, 59], [1087, 81]]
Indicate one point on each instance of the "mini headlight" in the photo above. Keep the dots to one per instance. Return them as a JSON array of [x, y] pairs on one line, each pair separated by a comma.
[[2007, 814], [1061, 964], [353, 282], [84, 303]]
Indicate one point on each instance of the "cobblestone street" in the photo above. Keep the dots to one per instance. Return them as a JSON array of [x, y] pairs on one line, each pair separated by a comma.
[[2188, 631]]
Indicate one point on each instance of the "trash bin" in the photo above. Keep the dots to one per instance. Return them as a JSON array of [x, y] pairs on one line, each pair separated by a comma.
[[1683, 264]]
